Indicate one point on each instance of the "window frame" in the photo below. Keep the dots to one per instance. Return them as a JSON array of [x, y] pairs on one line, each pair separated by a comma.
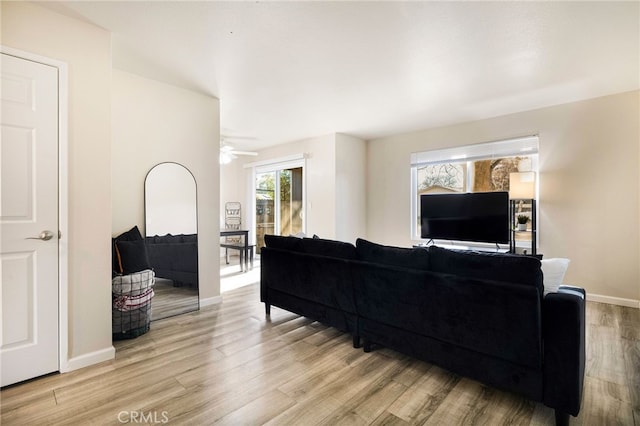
[[276, 165], [523, 146]]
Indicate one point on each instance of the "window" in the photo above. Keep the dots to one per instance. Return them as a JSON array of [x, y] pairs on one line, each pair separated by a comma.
[[443, 177], [279, 199], [474, 168]]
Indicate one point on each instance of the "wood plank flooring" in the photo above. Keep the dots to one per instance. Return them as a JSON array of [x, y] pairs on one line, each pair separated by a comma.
[[229, 364], [169, 300]]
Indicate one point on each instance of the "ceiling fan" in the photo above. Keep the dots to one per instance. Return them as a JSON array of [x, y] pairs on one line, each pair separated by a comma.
[[228, 152]]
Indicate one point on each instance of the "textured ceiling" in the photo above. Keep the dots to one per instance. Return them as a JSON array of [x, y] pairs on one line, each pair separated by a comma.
[[285, 71]]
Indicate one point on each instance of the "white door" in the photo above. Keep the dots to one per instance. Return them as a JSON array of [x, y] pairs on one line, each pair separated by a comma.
[[29, 219]]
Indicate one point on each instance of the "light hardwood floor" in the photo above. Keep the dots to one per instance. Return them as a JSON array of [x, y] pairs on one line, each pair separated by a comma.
[[169, 300], [229, 364]]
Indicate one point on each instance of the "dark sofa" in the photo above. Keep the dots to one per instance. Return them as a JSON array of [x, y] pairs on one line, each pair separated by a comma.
[[477, 314], [311, 277], [174, 257]]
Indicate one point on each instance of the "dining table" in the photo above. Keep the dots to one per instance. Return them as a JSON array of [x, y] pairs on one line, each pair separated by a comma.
[[245, 249]]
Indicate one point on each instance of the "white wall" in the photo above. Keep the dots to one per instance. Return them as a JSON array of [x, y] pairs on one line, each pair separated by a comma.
[[589, 185], [335, 184], [233, 184], [351, 194], [321, 186], [319, 175], [87, 51], [153, 123]]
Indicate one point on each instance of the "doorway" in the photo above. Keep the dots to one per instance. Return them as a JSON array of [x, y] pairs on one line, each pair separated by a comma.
[[279, 200], [34, 216]]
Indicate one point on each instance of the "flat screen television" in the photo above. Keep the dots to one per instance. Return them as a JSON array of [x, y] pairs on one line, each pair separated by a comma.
[[478, 216]]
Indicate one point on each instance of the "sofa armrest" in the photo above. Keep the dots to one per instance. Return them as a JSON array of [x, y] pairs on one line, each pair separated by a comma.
[[563, 327]]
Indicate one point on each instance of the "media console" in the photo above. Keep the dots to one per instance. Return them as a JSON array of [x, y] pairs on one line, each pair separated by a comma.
[[465, 248]]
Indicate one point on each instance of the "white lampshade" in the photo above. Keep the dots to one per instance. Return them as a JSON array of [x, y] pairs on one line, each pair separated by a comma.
[[522, 185]]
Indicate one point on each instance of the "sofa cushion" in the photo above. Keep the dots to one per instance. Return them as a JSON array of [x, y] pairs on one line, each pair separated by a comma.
[[415, 258], [172, 239], [487, 266], [330, 248], [132, 234], [163, 239], [283, 243], [132, 256], [190, 238]]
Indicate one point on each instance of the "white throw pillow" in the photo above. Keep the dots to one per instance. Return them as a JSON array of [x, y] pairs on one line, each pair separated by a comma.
[[553, 271]]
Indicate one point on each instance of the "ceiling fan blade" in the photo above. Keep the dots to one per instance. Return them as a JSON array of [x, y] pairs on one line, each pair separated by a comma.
[[243, 152], [232, 137]]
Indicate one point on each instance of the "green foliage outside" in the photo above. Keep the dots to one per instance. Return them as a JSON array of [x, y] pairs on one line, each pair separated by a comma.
[[267, 184]]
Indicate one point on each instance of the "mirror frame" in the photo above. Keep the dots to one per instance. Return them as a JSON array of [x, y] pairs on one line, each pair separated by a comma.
[[146, 212]]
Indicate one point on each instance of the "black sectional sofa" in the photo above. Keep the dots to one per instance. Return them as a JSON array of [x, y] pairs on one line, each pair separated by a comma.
[[175, 257], [481, 315]]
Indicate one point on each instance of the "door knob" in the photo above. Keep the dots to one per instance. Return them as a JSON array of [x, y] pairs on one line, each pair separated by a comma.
[[44, 236]]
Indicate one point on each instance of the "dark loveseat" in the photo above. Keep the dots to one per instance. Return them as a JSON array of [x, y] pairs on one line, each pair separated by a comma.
[[174, 257], [480, 315]]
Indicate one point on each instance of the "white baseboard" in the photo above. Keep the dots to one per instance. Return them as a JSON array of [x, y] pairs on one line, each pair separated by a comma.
[[86, 360], [210, 301], [632, 303]]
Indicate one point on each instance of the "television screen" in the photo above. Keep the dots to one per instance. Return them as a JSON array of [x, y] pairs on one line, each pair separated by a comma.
[[479, 216]]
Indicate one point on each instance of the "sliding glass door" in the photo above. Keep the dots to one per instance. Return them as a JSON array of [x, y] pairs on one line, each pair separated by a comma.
[[279, 196]]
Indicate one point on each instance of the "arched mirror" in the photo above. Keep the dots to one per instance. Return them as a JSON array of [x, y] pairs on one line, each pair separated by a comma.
[[171, 229]]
